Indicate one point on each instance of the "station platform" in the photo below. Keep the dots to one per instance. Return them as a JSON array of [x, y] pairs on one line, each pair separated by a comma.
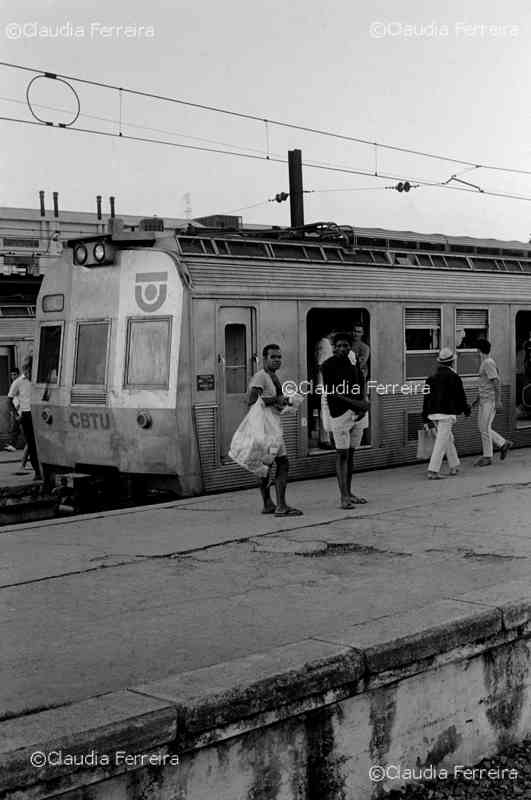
[[96, 605], [10, 464]]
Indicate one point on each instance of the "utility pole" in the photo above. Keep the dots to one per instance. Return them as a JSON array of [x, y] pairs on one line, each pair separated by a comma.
[[295, 188]]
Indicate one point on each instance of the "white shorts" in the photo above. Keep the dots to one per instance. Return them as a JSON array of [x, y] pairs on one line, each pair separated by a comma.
[[347, 430]]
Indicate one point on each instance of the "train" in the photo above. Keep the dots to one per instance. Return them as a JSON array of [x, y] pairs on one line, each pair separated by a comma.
[[147, 339]]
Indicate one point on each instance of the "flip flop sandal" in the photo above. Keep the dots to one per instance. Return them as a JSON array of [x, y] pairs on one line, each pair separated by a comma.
[[289, 512], [358, 501], [348, 504]]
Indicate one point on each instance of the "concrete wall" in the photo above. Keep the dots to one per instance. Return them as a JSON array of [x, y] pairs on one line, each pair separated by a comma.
[[423, 691]]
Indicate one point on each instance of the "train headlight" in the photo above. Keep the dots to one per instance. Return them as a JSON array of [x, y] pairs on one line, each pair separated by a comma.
[[144, 420], [99, 253], [47, 417], [80, 254]]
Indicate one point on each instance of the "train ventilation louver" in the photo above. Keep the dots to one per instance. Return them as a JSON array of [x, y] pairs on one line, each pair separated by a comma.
[[88, 397]]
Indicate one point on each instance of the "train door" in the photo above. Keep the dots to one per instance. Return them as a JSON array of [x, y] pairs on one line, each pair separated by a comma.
[[6, 366], [236, 363], [523, 369], [321, 324]]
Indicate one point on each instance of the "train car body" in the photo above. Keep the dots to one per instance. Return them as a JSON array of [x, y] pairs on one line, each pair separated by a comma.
[[145, 354]]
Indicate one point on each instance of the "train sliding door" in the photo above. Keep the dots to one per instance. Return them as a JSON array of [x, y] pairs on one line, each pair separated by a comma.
[[236, 364], [523, 368]]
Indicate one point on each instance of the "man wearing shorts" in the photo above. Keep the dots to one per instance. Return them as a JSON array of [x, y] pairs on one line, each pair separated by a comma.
[[345, 393], [265, 384]]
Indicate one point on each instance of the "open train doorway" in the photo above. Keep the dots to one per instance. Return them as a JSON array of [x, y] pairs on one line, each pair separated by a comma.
[[321, 325], [523, 369]]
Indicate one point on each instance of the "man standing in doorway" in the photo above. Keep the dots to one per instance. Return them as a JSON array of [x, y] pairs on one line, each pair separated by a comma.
[[265, 384], [345, 393], [361, 350], [489, 401]]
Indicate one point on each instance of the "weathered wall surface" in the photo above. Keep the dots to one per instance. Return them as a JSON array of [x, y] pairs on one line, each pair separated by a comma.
[[445, 686]]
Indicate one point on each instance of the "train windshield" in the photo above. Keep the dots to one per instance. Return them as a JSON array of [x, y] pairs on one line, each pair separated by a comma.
[[49, 354], [148, 352], [91, 354]]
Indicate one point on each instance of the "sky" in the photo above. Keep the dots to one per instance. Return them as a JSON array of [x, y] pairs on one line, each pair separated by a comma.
[[446, 78]]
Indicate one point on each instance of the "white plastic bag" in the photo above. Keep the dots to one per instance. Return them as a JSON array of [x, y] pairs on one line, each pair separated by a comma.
[[257, 440], [425, 442]]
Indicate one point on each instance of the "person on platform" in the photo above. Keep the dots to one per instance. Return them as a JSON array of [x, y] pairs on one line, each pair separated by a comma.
[[265, 384], [445, 400], [489, 401], [345, 393], [14, 422], [21, 390]]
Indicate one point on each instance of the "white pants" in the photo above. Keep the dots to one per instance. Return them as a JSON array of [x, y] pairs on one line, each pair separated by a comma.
[[486, 414], [444, 446]]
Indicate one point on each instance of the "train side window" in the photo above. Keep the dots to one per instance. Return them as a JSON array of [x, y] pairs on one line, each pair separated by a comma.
[[235, 359], [91, 353], [148, 352], [49, 353], [422, 340], [471, 324]]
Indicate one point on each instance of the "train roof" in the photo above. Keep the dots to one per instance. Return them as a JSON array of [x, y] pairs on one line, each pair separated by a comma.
[[325, 229], [465, 241]]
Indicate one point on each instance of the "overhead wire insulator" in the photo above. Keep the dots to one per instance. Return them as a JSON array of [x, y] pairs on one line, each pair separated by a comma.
[[281, 196]]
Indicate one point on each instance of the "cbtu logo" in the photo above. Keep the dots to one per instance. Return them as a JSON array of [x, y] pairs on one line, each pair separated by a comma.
[[151, 290]]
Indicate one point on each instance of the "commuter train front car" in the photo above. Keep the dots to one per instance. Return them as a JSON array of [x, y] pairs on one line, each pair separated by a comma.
[[147, 339]]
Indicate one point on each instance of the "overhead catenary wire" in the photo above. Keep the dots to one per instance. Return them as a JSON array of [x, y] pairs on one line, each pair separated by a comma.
[[263, 119], [137, 126], [271, 158]]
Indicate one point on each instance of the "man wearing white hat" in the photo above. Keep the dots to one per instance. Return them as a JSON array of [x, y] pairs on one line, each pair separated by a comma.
[[445, 400]]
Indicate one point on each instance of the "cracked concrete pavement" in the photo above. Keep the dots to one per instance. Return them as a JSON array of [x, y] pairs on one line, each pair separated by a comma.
[[99, 603]]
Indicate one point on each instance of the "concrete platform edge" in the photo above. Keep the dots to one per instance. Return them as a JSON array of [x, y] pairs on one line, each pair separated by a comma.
[[195, 709]]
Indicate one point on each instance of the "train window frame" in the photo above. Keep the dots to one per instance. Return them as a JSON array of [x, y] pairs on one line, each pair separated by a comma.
[[59, 306], [50, 323], [130, 321], [230, 382], [421, 351], [468, 351], [79, 323]]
